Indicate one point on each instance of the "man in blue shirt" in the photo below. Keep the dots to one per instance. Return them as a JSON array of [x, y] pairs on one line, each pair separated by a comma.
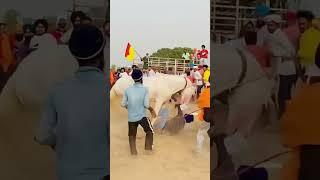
[[136, 100], [74, 122]]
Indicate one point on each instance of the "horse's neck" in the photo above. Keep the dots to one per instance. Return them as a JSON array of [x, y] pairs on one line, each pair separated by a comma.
[[175, 83]]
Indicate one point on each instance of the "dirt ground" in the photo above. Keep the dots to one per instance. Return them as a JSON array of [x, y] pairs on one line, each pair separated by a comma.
[[173, 156]]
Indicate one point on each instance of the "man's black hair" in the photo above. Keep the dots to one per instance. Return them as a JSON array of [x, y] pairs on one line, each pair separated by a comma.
[[205, 66], [306, 14], [44, 22], [76, 14], [203, 46]]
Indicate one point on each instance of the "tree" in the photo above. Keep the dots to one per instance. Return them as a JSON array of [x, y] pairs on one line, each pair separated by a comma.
[[172, 53], [113, 66], [11, 19]]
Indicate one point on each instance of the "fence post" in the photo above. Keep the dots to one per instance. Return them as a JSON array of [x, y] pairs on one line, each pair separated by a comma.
[[175, 66]]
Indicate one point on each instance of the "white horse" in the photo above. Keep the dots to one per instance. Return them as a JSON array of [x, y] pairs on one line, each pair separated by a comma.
[[239, 78], [161, 89]]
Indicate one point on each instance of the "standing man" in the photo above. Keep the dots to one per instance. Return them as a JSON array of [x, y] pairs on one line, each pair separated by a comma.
[[74, 122], [309, 41], [6, 48], [198, 80], [206, 74], [151, 72], [76, 18], [145, 61], [284, 59], [203, 55], [136, 100]]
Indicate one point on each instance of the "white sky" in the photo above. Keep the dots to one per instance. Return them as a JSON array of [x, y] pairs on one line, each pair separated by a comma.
[[153, 24]]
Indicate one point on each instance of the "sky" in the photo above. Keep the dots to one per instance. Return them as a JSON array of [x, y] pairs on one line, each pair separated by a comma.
[[153, 24]]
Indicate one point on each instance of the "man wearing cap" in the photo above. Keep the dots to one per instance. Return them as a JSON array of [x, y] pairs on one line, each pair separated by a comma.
[[283, 62], [136, 100], [74, 121]]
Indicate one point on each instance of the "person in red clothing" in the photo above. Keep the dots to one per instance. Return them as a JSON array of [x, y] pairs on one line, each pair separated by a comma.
[[203, 54], [61, 28], [261, 53], [292, 31]]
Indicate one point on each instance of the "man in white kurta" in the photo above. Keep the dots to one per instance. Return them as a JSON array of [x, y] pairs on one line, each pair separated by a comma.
[[284, 64]]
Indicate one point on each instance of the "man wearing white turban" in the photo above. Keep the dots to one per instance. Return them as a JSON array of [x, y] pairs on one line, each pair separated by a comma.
[[284, 61]]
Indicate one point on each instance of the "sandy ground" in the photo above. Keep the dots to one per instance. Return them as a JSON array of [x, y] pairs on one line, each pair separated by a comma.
[[173, 156], [21, 157]]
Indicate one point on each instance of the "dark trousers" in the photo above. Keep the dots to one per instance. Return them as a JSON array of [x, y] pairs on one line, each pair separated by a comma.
[[284, 94], [148, 129], [309, 162], [199, 89]]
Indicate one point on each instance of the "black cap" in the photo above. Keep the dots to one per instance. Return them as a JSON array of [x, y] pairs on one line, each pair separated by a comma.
[[86, 42]]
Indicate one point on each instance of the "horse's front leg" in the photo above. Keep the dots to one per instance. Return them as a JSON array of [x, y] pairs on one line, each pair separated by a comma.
[[157, 107]]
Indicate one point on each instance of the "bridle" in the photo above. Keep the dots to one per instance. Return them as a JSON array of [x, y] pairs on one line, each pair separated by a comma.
[[223, 96]]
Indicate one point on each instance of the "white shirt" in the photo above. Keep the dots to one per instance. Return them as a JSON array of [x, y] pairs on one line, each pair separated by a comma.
[[284, 51], [198, 78], [151, 73]]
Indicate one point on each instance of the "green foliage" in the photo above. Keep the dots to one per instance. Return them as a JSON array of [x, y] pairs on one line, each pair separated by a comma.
[[113, 66], [172, 53], [11, 19]]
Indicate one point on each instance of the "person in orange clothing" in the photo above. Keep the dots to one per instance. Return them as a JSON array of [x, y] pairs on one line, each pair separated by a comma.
[[6, 49], [204, 105], [112, 79], [300, 133]]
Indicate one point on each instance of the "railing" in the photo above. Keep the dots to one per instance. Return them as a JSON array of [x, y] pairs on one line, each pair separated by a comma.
[[178, 66]]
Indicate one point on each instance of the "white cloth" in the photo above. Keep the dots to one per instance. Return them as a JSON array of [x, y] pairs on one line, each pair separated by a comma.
[[124, 74], [44, 41], [273, 18], [201, 134], [203, 61], [284, 52], [151, 73], [198, 78]]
